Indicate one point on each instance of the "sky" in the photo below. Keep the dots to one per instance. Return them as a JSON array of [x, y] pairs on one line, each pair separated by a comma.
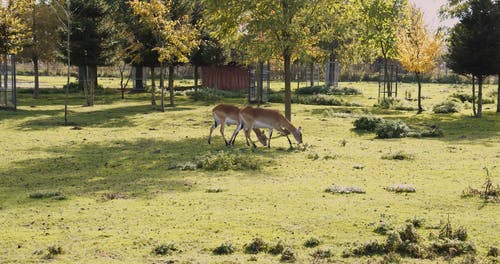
[[430, 8]]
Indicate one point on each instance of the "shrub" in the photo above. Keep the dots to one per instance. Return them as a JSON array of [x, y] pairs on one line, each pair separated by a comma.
[[368, 123], [312, 90], [383, 228], [400, 155], [449, 106], [53, 251], [165, 249], [416, 222], [278, 248], [396, 104], [321, 99], [392, 129], [400, 188], [468, 98], [223, 161], [257, 245], [344, 189], [56, 195], [345, 91], [369, 249], [322, 254], [452, 248], [288, 255], [312, 242], [224, 249], [493, 252]]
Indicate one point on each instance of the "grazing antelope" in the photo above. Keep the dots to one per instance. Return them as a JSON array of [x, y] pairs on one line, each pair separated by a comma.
[[229, 115], [252, 118]]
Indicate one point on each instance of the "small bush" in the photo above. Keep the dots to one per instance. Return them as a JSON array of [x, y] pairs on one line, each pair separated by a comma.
[[369, 249], [396, 104], [468, 98], [416, 222], [493, 252], [53, 251], [312, 242], [433, 131], [452, 248], [322, 254], [214, 190], [392, 258], [400, 155], [401, 188], [392, 129], [383, 228], [56, 195], [446, 107], [344, 189], [312, 90], [257, 245], [165, 249], [346, 91], [278, 248], [223, 161], [368, 123], [288, 255], [224, 249], [321, 99]]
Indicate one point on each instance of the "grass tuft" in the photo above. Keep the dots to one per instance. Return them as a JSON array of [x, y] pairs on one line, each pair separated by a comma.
[[322, 254], [344, 189], [165, 249], [278, 248], [56, 195], [400, 155], [256, 246], [401, 188], [225, 248], [288, 255], [312, 242]]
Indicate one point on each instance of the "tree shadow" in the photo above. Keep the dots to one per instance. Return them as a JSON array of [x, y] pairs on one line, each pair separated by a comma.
[[105, 118], [138, 168]]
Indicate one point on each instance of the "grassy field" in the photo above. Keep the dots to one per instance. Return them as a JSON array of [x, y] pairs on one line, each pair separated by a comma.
[[108, 188]]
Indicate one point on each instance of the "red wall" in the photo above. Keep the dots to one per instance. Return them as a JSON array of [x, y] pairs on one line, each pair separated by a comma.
[[225, 77]]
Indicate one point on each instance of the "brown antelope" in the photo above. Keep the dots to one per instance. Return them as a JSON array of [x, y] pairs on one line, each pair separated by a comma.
[[252, 118], [229, 115]]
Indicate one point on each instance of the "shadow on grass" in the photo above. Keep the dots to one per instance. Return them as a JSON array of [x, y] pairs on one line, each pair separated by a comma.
[[140, 168], [105, 118]]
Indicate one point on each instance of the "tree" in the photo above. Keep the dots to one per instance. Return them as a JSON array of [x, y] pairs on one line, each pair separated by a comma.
[[41, 46], [382, 18], [268, 28], [13, 29], [474, 43], [418, 50], [174, 34], [89, 35]]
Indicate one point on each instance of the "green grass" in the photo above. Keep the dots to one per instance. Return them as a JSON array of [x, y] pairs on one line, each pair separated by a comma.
[[124, 147]]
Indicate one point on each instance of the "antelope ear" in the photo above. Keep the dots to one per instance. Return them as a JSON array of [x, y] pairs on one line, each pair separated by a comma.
[[299, 129]]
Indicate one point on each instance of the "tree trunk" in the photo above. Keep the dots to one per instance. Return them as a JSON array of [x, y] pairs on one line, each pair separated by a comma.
[[474, 95], [312, 74], [420, 110], [498, 95], [196, 74], [122, 87], [479, 96], [387, 87], [288, 77], [162, 86], [68, 50], [36, 91], [153, 88], [171, 84]]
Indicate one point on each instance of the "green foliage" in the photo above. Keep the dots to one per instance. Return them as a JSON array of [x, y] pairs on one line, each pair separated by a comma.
[[223, 161], [368, 123], [401, 188], [56, 195], [53, 251], [468, 98], [493, 252], [288, 255], [322, 254], [319, 89], [448, 106], [344, 189], [224, 249], [256, 246], [278, 248], [312, 242], [165, 249], [396, 104], [392, 129], [383, 228], [399, 155]]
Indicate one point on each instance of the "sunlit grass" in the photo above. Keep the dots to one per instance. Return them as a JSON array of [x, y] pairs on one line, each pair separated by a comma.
[[123, 199]]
